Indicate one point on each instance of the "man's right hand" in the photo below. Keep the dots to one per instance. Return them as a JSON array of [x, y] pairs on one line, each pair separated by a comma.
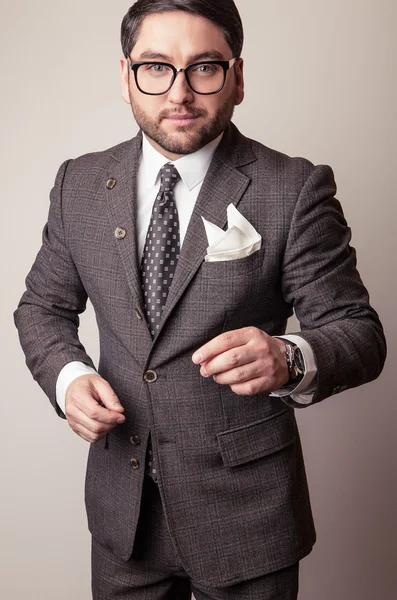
[[92, 407]]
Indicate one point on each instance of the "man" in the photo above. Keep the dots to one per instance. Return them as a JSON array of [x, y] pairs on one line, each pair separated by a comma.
[[195, 478]]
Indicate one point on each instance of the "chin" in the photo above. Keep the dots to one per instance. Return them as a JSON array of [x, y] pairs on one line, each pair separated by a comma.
[[179, 142]]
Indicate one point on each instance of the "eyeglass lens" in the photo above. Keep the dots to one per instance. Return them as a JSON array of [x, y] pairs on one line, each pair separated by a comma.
[[205, 78]]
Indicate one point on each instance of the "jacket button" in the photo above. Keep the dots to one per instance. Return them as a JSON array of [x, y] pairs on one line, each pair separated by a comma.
[[138, 314], [150, 376], [135, 440], [111, 183], [120, 233], [336, 390], [134, 463]]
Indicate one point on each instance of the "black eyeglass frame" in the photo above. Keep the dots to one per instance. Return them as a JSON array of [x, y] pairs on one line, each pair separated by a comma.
[[225, 64]]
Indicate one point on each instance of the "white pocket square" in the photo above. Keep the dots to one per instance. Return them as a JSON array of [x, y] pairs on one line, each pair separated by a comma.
[[241, 238]]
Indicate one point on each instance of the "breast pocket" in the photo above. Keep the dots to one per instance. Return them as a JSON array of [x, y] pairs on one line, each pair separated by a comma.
[[246, 443], [229, 269]]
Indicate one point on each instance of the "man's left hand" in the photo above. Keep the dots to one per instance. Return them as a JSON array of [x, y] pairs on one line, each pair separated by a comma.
[[248, 360]]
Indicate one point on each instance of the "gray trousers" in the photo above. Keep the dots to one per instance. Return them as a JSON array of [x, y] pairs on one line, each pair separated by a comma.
[[154, 571]]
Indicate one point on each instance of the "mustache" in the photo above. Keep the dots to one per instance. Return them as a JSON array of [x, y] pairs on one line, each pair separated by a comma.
[[195, 112]]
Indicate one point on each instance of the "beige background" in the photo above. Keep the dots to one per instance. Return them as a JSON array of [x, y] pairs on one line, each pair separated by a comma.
[[320, 83]]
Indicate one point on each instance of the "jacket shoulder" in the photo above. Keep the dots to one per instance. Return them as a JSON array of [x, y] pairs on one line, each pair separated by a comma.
[[102, 157], [280, 162], [87, 169], [259, 160]]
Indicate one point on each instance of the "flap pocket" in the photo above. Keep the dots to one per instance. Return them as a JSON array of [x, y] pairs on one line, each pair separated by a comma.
[[260, 438]]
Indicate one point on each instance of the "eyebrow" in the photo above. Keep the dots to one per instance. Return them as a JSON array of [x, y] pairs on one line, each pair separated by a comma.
[[208, 54]]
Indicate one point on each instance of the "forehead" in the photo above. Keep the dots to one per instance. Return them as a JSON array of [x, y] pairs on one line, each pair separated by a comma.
[[179, 34]]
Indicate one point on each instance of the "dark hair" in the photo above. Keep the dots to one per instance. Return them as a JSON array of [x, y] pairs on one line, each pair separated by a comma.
[[223, 13]]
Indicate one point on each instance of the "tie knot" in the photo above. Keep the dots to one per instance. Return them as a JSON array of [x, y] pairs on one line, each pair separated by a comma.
[[169, 177]]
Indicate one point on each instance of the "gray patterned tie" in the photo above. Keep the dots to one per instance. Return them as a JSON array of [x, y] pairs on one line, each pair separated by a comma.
[[161, 251], [159, 260]]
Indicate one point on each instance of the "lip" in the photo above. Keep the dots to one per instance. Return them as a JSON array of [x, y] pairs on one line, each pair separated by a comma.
[[182, 119]]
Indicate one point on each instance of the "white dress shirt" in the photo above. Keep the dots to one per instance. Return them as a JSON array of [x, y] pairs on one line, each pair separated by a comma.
[[192, 169]]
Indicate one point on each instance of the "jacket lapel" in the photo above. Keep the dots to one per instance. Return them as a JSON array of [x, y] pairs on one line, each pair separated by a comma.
[[224, 184], [122, 211]]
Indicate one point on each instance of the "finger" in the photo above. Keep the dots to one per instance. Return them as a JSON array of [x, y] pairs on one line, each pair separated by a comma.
[[103, 392], [231, 359], [82, 401], [254, 386], [222, 343], [240, 374], [96, 425], [87, 434]]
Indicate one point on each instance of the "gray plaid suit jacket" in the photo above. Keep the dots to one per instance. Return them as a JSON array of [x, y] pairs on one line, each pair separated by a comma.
[[231, 472]]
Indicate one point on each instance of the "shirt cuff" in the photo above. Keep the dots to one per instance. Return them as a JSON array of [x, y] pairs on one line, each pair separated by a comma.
[[68, 374], [302, 393]]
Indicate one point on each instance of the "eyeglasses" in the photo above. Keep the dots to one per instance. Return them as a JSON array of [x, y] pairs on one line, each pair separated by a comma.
[[156, 78]]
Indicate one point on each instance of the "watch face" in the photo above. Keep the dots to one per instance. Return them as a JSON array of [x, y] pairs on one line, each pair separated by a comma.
[[298, 359]]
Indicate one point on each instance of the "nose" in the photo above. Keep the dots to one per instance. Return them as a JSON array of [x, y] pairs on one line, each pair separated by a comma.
[[180, 93]]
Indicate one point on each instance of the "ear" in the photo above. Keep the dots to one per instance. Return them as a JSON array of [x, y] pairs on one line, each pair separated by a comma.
[[124, 79], [239, 72]]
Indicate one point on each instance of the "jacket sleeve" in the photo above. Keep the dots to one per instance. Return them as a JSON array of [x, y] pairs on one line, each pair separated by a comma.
[[47, 316], [321, 280]]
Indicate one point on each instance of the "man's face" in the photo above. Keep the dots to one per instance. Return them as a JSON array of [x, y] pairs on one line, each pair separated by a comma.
[[181, 38]]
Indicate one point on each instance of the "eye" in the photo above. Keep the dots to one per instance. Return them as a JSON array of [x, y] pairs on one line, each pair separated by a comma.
[[205, 69], [156, 68]]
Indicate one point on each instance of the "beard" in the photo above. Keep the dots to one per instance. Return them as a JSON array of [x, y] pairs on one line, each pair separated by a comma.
[[191, 141]]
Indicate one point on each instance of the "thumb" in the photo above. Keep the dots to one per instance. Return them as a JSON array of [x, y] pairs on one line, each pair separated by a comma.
[[104, 393]]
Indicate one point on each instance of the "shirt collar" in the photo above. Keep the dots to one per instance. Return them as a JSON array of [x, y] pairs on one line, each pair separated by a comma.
[[191, 167]]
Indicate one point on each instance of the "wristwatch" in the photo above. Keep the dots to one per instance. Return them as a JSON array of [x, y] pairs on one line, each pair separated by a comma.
[[295, 363]]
